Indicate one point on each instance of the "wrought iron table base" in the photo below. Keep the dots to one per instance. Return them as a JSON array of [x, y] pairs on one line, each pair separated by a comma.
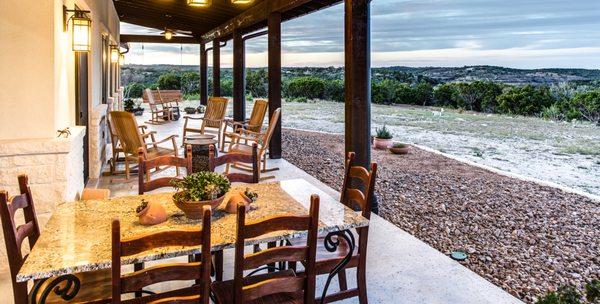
[[332, 245]]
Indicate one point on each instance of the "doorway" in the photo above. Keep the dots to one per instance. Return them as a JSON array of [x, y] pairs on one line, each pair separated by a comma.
[[81, 108]]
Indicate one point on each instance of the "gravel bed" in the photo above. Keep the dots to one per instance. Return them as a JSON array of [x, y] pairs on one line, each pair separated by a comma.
[[521, 236]]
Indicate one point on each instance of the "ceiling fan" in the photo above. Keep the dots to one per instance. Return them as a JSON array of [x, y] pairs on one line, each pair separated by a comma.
[[169, 33]]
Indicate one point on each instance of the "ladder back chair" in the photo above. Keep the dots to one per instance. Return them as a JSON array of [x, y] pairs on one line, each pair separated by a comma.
[[213, 120], [198, 271], [235, 158], [159, 113], [254, 124], [92, 283], [132, 139], [275, 287], [243, 140], [357, 193], [167, 160], [170, 99]]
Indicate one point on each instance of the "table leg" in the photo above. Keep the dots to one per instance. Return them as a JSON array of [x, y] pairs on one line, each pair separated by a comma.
[[66, 292], [331, 245]]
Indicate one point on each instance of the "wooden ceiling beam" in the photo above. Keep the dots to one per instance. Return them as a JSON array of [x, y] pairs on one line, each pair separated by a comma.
[[251, 16], [158, 39]]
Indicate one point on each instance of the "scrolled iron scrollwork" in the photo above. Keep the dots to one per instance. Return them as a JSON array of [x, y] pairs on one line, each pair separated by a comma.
[[67, 292], [332, 242]]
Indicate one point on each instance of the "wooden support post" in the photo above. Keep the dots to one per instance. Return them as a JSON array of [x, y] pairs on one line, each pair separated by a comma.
[[239, 77], [216, 69], [357, 77], [275, 80], [203, 75]]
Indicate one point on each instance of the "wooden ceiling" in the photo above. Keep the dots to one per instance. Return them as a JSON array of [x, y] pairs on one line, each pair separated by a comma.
[[177, 15]]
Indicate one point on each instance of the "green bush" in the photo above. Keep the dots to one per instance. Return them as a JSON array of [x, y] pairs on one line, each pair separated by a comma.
[[257, 83], [309, 87], [588, 104], [404, 94], [190, 83], [134, 90], [526, 100], [169, 81], [445, 95], [424, 93], [226, 87], [334, 90], [383, 91]]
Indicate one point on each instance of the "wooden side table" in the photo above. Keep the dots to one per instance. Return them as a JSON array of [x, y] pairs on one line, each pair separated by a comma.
[[200, 152]]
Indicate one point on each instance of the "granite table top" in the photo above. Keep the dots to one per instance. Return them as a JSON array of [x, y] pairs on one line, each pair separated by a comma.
[[77, 236]]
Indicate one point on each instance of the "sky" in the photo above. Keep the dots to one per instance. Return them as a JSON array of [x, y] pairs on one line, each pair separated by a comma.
[[510, 33]]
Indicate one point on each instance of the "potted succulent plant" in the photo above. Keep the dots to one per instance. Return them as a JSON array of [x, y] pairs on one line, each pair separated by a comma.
[[190, 110], [138, 110], [201, 109], [383, 138], [129, 105], [151, 213], [199, 189], [247, 198], [400, 148]]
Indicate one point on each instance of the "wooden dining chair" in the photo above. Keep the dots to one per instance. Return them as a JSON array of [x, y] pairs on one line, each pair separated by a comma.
[[234, 158], [243, 140], [274, 287], [254, 124], [145, 165], [357, 193], [212, 122], [92, 283], [198, 271], [132, 139]]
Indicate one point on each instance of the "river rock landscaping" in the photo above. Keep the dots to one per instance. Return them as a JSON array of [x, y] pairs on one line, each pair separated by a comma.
[[521, 236]]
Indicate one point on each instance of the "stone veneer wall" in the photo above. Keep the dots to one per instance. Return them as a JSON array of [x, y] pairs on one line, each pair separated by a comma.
[[54, 167], [98, 135]]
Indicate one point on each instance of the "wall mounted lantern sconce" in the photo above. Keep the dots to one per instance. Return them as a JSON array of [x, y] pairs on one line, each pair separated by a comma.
[[241, 1], [114, 54], [82, 28]]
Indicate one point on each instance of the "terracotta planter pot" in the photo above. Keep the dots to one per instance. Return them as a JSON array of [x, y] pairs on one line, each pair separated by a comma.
[[234, 200], [382, 144], [193, 209], [153, 214], [403, 150]]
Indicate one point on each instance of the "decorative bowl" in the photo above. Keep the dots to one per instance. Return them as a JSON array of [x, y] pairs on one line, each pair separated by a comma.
[[193, 209]]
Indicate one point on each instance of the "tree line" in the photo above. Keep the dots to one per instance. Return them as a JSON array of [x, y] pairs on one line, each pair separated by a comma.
[[566, 101]]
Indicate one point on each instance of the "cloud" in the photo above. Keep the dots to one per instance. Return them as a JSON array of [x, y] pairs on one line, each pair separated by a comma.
[[498, 32]]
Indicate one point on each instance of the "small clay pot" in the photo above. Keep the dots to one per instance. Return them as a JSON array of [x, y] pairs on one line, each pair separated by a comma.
[[400, 150], [153, 214], [381, 143], [234, 200]]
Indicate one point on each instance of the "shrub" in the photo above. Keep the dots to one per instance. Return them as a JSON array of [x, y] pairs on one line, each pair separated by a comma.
[[309, 87], [334, 90], [445, 95], [190, 83], [404, 94], [423, 93], [134, 90], [201, 186], [169, 81], [526, 100], [588, 104], [257, 83], [383, 133], [383, 91], [552, 112], [226, 87]]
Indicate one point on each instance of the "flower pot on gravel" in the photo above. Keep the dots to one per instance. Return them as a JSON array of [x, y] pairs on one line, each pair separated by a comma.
[[400, 149], [190, 110], [383, 138], [382, 143]]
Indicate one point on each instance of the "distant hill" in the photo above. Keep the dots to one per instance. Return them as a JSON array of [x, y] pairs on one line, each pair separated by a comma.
[[150, 73]]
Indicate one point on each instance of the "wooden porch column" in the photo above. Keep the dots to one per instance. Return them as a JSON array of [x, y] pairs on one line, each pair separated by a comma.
[[239, 77], [203, 75], [357, 77], [216, 72], [275, 80]]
